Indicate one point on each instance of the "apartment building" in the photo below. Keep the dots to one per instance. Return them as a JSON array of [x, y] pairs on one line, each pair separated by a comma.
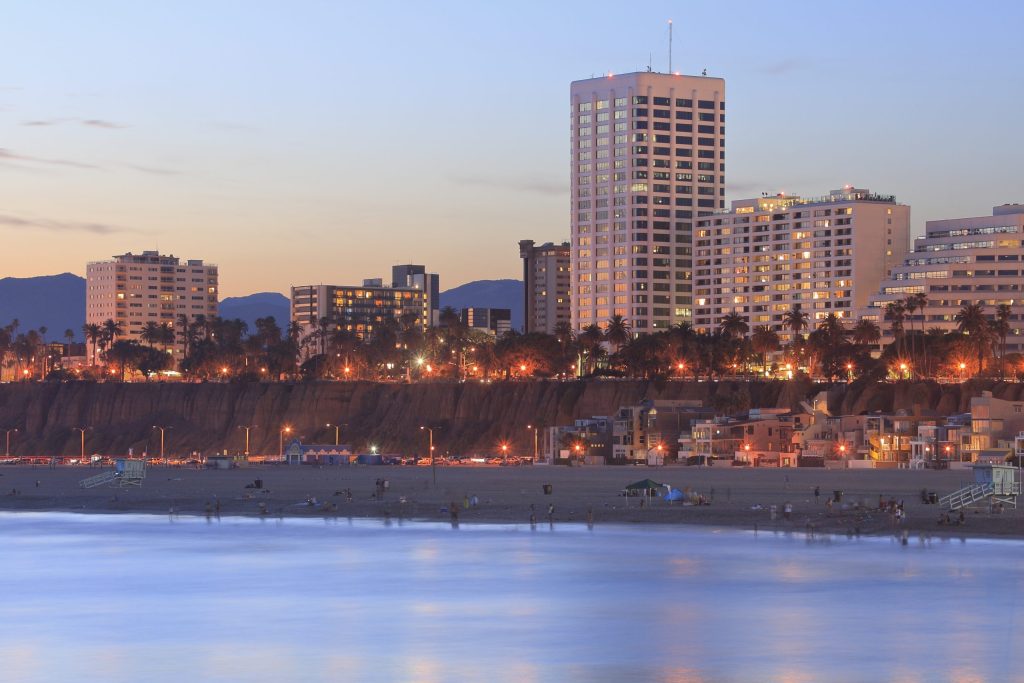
[[409, 276], [134, 289], [359, 309], [496, 321], [546, 285], [960, 261], [828, 254], [648, 158]]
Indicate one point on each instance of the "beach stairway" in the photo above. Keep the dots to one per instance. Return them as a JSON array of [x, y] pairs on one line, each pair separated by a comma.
[[968, 495], [107, 477]]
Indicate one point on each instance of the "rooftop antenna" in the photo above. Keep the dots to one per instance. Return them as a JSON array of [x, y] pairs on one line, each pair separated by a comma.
[[670, 46], [650, 58]]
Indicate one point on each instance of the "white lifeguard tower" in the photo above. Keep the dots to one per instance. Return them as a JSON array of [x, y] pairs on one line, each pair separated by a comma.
[[995, 483], [125, 473]]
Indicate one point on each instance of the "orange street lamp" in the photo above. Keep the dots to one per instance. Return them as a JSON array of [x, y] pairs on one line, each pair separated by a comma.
[[81, 431], [337, 431], [162, 430], [284, 430], [536, 441], [504, 451], [430, 443]]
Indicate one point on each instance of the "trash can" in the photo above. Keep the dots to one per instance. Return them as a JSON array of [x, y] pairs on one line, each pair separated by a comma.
[[259, 483], [837, 496], [933, 498], [547, 489]]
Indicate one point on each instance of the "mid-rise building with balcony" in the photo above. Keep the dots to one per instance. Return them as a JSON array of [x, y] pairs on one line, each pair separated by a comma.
[[135, 289], [960, 261], [766, 255]]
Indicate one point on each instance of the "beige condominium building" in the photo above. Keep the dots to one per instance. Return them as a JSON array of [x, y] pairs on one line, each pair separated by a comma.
[[648, 159], [829, 254], [134, 289], [961, 261], [545, 285]]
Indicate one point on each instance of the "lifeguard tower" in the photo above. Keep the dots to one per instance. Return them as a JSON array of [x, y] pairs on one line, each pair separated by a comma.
[[995, 483], [125, 473]]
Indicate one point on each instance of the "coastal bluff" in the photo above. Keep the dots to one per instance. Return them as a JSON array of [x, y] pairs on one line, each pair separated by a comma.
[[469, 417]]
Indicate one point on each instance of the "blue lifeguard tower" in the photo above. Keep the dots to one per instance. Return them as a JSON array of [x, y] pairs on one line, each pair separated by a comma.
[[996, 483]]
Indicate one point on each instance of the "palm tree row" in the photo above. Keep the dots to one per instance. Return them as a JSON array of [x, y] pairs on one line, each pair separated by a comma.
[[218, 348]]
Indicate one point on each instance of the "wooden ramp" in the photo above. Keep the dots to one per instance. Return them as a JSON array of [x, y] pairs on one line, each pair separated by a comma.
[[107, 477], [968, 495]]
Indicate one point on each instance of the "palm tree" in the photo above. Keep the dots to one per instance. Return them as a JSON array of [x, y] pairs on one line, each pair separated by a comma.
[[112, 329], [617, 331], [93, 333], [895, 313], [971, 321], [796, 321], [764, 341], [1000, 329], [150, 333], [910, 306], [733, 326], [69, 335], [589, 339], [866, 333]]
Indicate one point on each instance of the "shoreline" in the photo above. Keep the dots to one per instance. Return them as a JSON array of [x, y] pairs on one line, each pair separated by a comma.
[[739, 498], [386, 521]]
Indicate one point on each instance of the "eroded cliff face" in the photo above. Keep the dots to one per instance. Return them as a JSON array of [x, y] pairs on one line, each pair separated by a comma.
[[471, 417]]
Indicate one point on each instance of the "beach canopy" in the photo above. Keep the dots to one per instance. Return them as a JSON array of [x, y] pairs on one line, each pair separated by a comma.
[[674, 495], [644, 485]]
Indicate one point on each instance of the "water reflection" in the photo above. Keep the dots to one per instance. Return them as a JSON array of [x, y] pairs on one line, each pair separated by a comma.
[[148, 598]]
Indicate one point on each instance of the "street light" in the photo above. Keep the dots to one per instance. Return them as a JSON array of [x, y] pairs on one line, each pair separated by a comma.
[[8, 432], [81, 430], [247, 428], [162, 429], [337, 432], [284, 430], [536, 443], [504, 451], [430, 443]]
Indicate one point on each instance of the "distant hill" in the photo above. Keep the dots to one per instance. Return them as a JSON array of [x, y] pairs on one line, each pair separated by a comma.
[[259, 305], [488, 294], [56, 302]]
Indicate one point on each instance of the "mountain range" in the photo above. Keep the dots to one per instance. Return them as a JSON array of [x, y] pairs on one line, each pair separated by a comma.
[[57, 302]]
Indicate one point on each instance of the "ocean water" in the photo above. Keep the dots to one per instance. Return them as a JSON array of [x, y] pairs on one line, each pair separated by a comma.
[[149, 598]]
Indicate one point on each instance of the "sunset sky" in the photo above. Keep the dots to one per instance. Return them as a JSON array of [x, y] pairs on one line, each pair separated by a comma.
[[302, 142]]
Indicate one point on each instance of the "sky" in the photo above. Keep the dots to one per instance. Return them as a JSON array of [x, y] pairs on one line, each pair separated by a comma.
[[304, 142]]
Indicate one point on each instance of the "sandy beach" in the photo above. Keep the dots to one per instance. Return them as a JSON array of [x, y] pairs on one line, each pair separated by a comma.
[[738, 498]]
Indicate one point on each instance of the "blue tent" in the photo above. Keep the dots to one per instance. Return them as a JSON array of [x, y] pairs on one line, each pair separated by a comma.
[[673, 495]]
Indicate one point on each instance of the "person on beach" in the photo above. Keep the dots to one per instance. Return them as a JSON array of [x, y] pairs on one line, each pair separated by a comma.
[[787, 511], [551, 513], [817, 493], [590, 517]]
